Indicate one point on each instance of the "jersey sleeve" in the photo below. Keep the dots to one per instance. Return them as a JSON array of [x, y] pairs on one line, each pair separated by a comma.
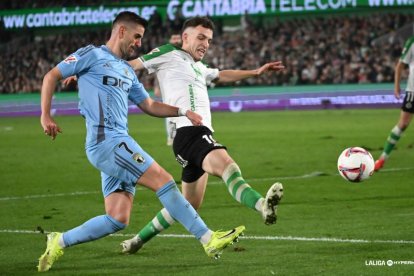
[[137, 94], [158, 56], [407, 53], [77, 62], [210, 74]]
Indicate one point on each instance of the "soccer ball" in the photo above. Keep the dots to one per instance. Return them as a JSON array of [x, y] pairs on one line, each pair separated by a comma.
[[355, 164]]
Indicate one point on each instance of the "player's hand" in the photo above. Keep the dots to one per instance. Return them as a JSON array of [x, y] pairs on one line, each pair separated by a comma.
[[49, 126], [195, 119], [275, 66], [69, 80], [397, 92]]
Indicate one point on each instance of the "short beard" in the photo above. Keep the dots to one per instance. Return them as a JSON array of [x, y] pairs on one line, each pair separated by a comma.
[[126, 56]]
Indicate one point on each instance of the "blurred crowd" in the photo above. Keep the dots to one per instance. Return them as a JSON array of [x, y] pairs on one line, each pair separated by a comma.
[[315, 50]]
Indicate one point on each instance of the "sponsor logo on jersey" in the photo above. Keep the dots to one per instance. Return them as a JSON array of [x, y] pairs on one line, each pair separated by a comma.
[[70, 59], [113, 81]]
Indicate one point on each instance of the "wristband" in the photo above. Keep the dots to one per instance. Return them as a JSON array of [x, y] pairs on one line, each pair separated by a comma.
[[182, 112]]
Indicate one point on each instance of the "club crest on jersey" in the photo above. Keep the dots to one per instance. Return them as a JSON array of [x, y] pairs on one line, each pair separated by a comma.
[[70, 59], [126, 72], [138, 157]]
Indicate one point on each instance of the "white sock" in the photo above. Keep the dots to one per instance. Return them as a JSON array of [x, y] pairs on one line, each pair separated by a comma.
[[61, 242], [259, 205], [206, 237]]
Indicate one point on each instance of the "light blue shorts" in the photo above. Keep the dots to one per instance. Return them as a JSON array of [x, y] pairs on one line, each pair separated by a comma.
[[121, 162]]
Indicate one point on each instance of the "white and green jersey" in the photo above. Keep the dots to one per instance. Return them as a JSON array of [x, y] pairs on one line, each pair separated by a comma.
[[183, 81], [407, 57]]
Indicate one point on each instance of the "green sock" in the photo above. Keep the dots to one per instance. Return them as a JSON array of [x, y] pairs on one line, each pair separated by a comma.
[[159, 223], [239, 189], [392, 139]]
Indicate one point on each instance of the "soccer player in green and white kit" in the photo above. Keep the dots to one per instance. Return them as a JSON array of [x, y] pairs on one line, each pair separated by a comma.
[[183, 80], [175, 39], [407, 108]]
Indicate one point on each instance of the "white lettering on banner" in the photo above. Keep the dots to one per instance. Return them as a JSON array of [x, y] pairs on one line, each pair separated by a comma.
[[78, 16], [312, 5], [172, 9], [358, 99], [192, 8], [188, 8]]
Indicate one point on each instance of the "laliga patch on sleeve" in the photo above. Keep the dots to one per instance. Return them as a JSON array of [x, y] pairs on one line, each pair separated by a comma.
[[70, 59]]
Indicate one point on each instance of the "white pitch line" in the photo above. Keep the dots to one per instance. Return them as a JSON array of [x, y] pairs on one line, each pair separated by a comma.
[[309, 175], [47, 195], [266, 238]]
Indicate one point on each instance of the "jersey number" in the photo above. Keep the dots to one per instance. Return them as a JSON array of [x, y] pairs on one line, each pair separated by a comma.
[[126, 147]]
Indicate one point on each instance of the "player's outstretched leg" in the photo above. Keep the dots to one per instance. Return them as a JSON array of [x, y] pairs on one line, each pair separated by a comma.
[[389, 145], [132, 245], [220, 240], [159, 223], [52, 253], [379, 164], [272, 199], [163, 220], [246, 195]]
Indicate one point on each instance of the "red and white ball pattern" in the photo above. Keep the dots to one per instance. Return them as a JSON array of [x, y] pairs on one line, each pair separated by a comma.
[[355, 164]]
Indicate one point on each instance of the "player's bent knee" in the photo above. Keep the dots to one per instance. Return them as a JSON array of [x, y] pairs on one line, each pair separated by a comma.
[[116, 224]]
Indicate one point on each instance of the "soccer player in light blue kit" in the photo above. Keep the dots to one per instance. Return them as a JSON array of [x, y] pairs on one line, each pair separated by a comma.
[[106, 83]]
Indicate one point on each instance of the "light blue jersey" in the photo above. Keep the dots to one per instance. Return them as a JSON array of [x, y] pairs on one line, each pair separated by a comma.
[[106, 83]]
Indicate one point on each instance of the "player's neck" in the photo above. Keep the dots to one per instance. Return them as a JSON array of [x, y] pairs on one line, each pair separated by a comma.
[[188, 52], [112, 47]]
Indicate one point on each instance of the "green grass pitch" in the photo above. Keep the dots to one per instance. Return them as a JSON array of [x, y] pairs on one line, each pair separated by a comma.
[[326, 226]]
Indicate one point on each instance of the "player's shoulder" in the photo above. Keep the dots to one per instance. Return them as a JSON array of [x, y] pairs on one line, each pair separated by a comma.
[[409, 44], [160, 51], [204, 65], [410, 40], [81, 53], [87, 50]]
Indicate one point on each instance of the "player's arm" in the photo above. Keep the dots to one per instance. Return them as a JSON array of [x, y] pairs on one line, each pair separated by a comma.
[[69, 80], [236, 75], [397, 78], [162, 110], [48, 87]]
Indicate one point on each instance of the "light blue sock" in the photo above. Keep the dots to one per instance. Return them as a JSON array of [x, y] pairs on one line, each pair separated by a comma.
[[93, 229], [181, 210]]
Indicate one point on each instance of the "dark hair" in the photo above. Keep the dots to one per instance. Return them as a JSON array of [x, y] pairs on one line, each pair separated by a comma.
[[130, 17], [203, 21]]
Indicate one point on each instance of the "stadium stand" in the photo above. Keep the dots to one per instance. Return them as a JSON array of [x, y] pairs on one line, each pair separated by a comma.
[[316, 50]]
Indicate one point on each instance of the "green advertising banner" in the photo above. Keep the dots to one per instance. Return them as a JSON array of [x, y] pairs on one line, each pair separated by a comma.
[[81, 16]]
